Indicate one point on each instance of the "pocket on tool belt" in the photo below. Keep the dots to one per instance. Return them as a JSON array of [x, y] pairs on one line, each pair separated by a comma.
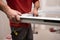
[[16, 31]]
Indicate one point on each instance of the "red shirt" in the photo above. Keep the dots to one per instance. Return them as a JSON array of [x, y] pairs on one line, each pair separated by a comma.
[[23, 6]]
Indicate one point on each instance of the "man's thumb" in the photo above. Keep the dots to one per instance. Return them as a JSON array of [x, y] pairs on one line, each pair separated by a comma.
[[17, 17]]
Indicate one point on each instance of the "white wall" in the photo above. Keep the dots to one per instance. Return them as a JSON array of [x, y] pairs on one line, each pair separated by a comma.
[[50, 4]]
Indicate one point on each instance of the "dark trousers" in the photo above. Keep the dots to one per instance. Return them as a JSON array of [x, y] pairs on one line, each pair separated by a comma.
[[22, 33]]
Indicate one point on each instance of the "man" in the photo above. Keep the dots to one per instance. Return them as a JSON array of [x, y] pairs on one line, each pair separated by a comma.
[[14, 9]]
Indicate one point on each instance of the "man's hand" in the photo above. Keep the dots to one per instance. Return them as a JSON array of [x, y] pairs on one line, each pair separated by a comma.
[[35, 12], [13, 15], [36, 6]]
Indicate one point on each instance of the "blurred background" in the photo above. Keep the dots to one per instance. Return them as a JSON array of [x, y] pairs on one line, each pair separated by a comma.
[[48, 8]]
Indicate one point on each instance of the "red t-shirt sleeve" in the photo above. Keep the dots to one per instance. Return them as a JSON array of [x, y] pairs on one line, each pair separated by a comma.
[[34, 1]]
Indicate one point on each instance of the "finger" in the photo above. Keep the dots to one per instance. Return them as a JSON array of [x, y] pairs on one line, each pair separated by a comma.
[[11, 17], [15, 20], [17, 17], [35, 14], [19, 13]]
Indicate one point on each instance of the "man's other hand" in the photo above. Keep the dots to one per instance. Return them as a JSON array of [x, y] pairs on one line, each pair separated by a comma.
[[35, 12]]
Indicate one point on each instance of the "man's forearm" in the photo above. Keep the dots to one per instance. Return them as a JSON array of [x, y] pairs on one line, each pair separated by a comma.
[[36, 4], [4, 7]]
